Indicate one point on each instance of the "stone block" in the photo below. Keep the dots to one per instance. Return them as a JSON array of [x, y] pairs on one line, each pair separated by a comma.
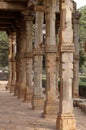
[[66, 122]]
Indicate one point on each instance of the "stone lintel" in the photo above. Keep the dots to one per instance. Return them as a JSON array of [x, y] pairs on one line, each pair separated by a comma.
[[51, 49], [39, 51], [29, 55], [39, 8], [67, 48], [11, 6]]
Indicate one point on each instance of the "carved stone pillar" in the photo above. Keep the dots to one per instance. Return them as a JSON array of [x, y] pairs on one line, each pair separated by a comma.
[[22, 78], [50, 107], [38, 98], [65, 117], [10, 62], [29, 58], [13, 62], [76, 16], [18, 52]]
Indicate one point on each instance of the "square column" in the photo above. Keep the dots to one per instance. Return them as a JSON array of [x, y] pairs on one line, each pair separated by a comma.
[[13, 62], [10, 62], [76, 17], [22, 79], [51, 104], [29, 57], [17, 58], [65, 117], [38, 97]]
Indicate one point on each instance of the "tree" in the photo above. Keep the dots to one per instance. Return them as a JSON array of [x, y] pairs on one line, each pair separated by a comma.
[[82, 36], [3, 49]]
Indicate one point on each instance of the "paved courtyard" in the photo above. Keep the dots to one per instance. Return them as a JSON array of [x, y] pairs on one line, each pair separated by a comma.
[[16, 115]]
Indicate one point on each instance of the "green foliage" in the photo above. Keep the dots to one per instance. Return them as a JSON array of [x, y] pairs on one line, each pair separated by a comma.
[[3, 49], [82, 81], [82, 36]]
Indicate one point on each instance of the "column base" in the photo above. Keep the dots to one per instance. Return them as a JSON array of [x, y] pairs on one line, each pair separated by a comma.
[[28, 95], [12, 88], [37, 102], [50, 109], [66, 122], [16, 89], [21, 93]]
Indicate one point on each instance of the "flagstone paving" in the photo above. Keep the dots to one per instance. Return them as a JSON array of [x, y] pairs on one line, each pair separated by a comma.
[[17, 115]]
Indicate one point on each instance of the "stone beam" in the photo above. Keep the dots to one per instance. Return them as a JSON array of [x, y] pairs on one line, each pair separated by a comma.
[[11, 6], [17, 1]]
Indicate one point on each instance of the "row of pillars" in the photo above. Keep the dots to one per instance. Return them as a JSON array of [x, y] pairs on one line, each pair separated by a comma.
[[26, 61]]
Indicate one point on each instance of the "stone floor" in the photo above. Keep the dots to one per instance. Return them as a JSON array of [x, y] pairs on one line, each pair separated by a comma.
[[16, 115]]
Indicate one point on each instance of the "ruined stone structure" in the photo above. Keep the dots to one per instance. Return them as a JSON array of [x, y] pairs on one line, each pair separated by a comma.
[[24, 21]]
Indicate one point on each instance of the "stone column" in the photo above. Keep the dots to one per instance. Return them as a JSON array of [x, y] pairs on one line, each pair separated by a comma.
[[76, 16], [50, 107], [13, 62], [29, 58], [38, 98], [10, 62], [18, 51], [22, 79], [65, 118]]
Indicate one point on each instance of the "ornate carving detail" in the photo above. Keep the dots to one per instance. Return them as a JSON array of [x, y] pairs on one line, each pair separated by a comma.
[[67, 48], [39, 51], [51, 49]]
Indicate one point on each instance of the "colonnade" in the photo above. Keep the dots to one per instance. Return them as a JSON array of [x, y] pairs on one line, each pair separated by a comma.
[[26, 51]]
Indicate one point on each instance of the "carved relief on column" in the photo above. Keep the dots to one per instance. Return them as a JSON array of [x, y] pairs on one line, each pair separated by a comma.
[[65, 117], [38, 97], [76, 16], [29, 57], [50, 107]]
